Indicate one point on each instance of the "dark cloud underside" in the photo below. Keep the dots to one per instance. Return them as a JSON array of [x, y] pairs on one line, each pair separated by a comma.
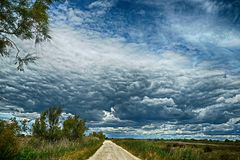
[[136, 68]]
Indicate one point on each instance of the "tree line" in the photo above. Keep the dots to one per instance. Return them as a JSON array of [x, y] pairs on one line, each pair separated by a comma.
[[47, 127]]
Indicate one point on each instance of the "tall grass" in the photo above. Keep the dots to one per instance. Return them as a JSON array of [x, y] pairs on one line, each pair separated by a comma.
[[163, 150], [87, 149], [35, 149]]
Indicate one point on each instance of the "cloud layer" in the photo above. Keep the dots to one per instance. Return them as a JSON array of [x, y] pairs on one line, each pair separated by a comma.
[[144, 73]]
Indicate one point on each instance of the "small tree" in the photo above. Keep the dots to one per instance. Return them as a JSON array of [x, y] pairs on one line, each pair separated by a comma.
[[74, 128], [24, 125], [13, 125], [47, 126], [40, 127], [99, 135]]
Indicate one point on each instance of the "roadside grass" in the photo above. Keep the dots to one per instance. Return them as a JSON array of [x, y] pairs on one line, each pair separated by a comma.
[[175, 150], [86, 151], [35, 149]]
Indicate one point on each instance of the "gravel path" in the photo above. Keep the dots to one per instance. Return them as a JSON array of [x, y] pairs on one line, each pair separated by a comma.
[[111, 151]]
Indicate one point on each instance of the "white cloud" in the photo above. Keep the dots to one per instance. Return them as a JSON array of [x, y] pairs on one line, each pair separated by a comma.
[[101, 69], [109, 116], [12, 108], [220, 99], [170, 131], [101, 4], [232, 100], [158, 101]]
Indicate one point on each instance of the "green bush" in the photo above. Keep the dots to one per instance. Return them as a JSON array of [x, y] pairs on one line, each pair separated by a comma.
[[9, 146], [74, 128]]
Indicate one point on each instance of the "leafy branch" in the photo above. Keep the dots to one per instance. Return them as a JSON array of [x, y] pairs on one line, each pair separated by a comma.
[[23, 19]]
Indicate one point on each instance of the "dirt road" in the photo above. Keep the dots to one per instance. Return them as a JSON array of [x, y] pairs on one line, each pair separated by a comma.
[[111, 151]]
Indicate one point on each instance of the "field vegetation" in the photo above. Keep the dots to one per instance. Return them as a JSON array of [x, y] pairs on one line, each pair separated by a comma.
[[35, 149], [181, 150], [49, 140]]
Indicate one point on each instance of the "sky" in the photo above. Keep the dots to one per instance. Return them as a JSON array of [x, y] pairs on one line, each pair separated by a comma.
[[135, 68]]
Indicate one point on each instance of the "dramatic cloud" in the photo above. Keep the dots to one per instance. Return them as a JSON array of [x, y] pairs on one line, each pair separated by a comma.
[[158, 101], [109, 116], [134, 68], [233, 100]]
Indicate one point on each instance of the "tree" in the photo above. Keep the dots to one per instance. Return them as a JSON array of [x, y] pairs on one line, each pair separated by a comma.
[[47, 126], [99, 135], [24, 19], [13, 125], [74, 128], [53, 114], [24, 125], [39, 127]]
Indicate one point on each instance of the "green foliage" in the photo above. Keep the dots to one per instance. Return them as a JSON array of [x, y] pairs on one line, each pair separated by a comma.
[[53, 114], [13, 125], [47, 126], [40, 126], [143, 149], [27, 154], [88, 147], [180, 150], [186, 154], [54, 131], [24, 19], [74, 128], [24, 125], [99, 135], [49, 139], [8, 142], [36, 149]]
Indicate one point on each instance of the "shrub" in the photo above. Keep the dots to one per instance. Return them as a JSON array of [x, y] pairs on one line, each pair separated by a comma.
[[74, 128], [8, 143]]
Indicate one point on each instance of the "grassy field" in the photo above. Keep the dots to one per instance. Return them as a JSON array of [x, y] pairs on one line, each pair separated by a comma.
[[181, 150], [34, 149]]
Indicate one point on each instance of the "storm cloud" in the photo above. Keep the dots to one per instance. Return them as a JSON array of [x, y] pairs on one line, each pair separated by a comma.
[[148, 69]]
